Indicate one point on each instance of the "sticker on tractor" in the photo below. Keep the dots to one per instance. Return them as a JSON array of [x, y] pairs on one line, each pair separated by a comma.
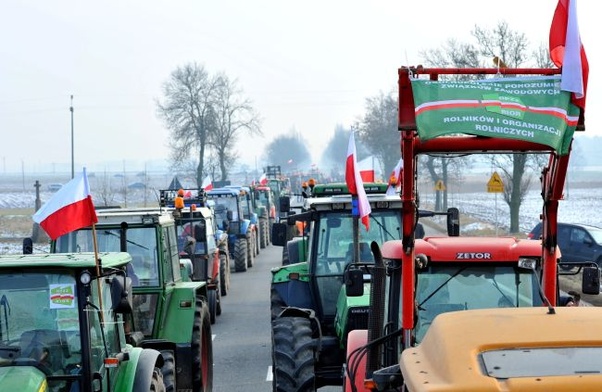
[[62, 296]]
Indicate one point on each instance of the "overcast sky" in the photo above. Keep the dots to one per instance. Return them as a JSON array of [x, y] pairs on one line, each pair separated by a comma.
[[305, 65]]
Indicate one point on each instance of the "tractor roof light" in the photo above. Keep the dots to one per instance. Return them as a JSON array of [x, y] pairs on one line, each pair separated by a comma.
[[382, 204], [311, 183], [527, 263]]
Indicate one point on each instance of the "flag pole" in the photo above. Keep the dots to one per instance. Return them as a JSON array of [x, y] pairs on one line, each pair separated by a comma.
[[355, 212], [97, 262]]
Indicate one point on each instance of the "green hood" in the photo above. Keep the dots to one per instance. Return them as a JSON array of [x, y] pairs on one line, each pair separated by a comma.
[[22, 379]]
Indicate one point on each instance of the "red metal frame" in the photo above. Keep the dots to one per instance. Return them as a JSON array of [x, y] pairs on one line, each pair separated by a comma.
[[553, 175]]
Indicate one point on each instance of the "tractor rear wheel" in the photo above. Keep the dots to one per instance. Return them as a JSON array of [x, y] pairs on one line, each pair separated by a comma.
[[212, 302], [240, 255], [293, 355], [263, 233], [250, 250], [202, 349], [277, 304], [224, 272]]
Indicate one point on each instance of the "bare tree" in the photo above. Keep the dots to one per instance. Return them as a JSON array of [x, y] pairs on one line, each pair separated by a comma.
[[189, 97], [232, 114], [512, 48]]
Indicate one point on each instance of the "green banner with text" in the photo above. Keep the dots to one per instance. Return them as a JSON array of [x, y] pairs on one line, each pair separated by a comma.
[[533, 109]]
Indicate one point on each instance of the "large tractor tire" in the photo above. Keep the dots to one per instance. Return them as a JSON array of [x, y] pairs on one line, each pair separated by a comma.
[[257, 241], [277, 304], [212, 304], [168, 370], [293, 355], [224, 272], [285, 260], [263, 233], [241, 255], [202, 349], [250, 249]]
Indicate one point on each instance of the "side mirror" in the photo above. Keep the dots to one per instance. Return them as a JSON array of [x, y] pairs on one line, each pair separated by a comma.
[[453, 222], [27, 246], [284, 203], [590, 283], [354, 282], [279, 234], [121, 294]]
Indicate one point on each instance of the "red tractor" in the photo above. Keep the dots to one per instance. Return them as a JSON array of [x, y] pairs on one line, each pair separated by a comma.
[[415, 281]]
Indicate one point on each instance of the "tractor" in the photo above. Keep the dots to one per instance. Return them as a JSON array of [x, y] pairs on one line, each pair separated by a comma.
[[263, 201], [460, 313], [310, 310], [170, 313], [202, 246], [234, 217], [62, 326]]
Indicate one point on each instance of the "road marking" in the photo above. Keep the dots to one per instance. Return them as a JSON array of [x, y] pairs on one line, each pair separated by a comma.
[[270, 375]]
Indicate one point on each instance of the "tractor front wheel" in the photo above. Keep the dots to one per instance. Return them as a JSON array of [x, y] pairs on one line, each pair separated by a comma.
[[293, 355]]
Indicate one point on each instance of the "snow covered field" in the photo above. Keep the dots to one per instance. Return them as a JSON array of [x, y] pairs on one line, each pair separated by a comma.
[[582, 204]]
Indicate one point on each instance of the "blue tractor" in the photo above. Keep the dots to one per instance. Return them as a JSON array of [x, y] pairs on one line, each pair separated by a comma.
[[234, 215]]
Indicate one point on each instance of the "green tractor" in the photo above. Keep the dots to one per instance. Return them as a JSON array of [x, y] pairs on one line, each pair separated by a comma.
[[263, 203], [202, 246], [310, 309], [62, 319], [170, 313]]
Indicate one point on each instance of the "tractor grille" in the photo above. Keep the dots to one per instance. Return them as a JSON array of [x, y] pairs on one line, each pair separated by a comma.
[[358, 318]]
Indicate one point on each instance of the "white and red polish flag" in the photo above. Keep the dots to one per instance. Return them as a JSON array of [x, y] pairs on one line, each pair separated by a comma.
[[355, 183], [69, 209], [566, 51], [207, 183], [263, 180], [395, 178]]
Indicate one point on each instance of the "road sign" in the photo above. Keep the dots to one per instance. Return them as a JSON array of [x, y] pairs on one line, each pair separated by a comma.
[[495, 184], [440, 186]]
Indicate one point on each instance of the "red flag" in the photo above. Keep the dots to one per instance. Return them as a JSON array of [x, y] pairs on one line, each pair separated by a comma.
[[355, 183], [263, 180], [395, 178], [207, 183], [566, 51], [69, 209]]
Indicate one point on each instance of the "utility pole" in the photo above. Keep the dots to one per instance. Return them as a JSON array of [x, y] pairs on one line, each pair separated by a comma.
[[72, 149]]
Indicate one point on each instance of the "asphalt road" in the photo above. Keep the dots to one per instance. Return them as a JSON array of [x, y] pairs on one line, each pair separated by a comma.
[[242, 337]]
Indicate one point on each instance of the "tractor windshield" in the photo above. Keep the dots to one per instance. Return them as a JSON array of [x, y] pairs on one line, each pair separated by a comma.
[[332, 243], [447, 288], [334, 248], [39, 322], [141, 245]]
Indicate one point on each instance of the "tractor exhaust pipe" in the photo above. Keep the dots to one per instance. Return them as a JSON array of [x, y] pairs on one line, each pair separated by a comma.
[[377, 310]]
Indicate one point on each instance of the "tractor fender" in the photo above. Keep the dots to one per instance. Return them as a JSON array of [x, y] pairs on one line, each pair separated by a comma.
[[355, 362], [148, 360], [179, 317], [254, 218], [244, 226], [292, 311]]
